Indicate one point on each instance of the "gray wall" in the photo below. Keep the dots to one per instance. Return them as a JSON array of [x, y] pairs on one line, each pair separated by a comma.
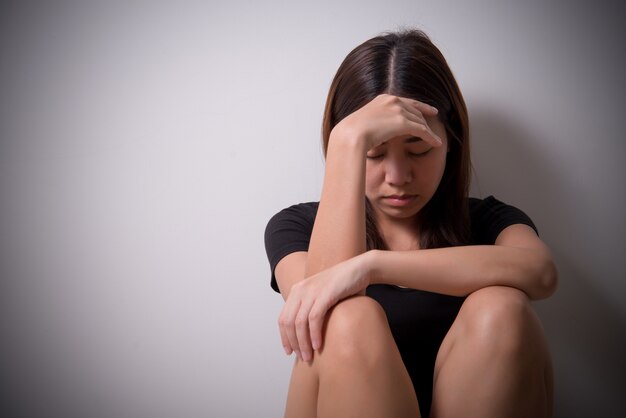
[[144, 147]]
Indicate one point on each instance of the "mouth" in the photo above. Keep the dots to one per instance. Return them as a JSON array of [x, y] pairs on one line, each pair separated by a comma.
[[399, 199]]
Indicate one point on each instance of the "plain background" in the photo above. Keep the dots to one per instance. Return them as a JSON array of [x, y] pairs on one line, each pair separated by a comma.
[[144, 146]]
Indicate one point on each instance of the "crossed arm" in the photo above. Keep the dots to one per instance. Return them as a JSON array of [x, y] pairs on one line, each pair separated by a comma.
[[337, 265], [519, 259]]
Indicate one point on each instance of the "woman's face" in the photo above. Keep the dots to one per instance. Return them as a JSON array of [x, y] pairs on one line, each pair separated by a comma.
[[403, 174]]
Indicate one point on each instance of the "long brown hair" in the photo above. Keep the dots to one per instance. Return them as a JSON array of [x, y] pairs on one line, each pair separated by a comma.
[[408, 64]]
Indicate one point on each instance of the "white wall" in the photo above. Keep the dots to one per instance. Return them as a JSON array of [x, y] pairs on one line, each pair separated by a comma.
[[144, 147]]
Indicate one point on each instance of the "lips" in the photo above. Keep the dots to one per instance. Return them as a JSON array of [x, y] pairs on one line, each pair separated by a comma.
[[400, 199]]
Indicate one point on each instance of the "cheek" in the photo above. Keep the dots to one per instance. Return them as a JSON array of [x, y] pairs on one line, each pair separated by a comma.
[[441, 163], [373, 177], [432, 170]]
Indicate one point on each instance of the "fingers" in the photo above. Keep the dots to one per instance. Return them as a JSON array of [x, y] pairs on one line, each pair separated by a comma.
[[302, 332], [285, 340], [415, 113], [294, 327], [316, 323], [426, 109], [422, 107], [287, 331], [418, 126], [423, 131]]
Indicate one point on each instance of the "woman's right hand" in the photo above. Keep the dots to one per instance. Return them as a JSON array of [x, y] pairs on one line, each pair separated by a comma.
[[387, 117], [302, 318]]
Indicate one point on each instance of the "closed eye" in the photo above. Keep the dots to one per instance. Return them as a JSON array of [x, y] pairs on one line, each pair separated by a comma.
[[419, 154]]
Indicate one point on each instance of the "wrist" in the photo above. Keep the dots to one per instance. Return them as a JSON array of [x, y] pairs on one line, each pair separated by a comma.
[[370, 264], [348, 141]]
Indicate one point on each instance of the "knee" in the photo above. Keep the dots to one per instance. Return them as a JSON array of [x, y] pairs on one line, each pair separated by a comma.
[[356, 330], [499, 320]]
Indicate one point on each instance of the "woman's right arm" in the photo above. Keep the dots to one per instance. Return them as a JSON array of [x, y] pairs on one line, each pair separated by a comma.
[[339, 229]]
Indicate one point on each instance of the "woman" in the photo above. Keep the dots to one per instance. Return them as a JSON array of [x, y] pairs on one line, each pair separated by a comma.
[[400, 291]]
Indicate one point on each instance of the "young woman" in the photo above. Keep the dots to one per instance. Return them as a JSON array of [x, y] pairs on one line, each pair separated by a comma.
[[400, 291]]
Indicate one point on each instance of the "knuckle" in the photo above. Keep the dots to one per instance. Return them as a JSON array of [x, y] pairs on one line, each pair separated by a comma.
[[314, 316], [391, 100], [283, 321], [400, 119], [295, 288], [301, 322]]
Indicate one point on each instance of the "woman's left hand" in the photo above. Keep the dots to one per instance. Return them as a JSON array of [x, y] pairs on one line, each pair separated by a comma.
[[302, 317]]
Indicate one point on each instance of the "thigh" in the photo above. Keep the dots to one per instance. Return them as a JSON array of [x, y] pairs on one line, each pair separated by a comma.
[[496, 323], [357, 342], [483, 312]]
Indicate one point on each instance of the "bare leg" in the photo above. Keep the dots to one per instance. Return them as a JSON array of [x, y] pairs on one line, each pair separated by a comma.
[[494, 361], [358, 372]]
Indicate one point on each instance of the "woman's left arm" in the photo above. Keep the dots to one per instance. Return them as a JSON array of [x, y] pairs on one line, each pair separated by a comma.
[[518, 259]]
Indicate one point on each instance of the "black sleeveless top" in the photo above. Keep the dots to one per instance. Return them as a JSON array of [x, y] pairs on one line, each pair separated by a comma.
[[418, 320]]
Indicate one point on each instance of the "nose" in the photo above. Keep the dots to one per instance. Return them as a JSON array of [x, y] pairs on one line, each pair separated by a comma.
[[398, 170]]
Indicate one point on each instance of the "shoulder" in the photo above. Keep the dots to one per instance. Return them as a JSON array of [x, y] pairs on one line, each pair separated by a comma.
[[303, 213], [287, 232], [490, 216], [291, 225]]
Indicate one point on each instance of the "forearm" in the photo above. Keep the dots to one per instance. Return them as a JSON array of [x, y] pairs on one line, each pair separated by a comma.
[[339, 229], [460, 271]]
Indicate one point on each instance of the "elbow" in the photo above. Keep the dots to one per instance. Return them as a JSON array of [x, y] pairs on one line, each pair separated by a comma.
[[547, 278]]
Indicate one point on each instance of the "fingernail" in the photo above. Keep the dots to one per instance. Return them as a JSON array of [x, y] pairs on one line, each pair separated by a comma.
[[435, 109], [316, 345], [288, 350], [298, 354], [306, 356]]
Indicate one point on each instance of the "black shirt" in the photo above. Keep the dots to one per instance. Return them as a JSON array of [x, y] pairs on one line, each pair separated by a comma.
[[418, 320]]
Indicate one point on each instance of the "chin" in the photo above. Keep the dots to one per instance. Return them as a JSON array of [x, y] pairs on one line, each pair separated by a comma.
[[401, 213]]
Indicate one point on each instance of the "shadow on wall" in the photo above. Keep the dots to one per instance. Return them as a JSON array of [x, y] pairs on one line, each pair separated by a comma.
[[586, 332]]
